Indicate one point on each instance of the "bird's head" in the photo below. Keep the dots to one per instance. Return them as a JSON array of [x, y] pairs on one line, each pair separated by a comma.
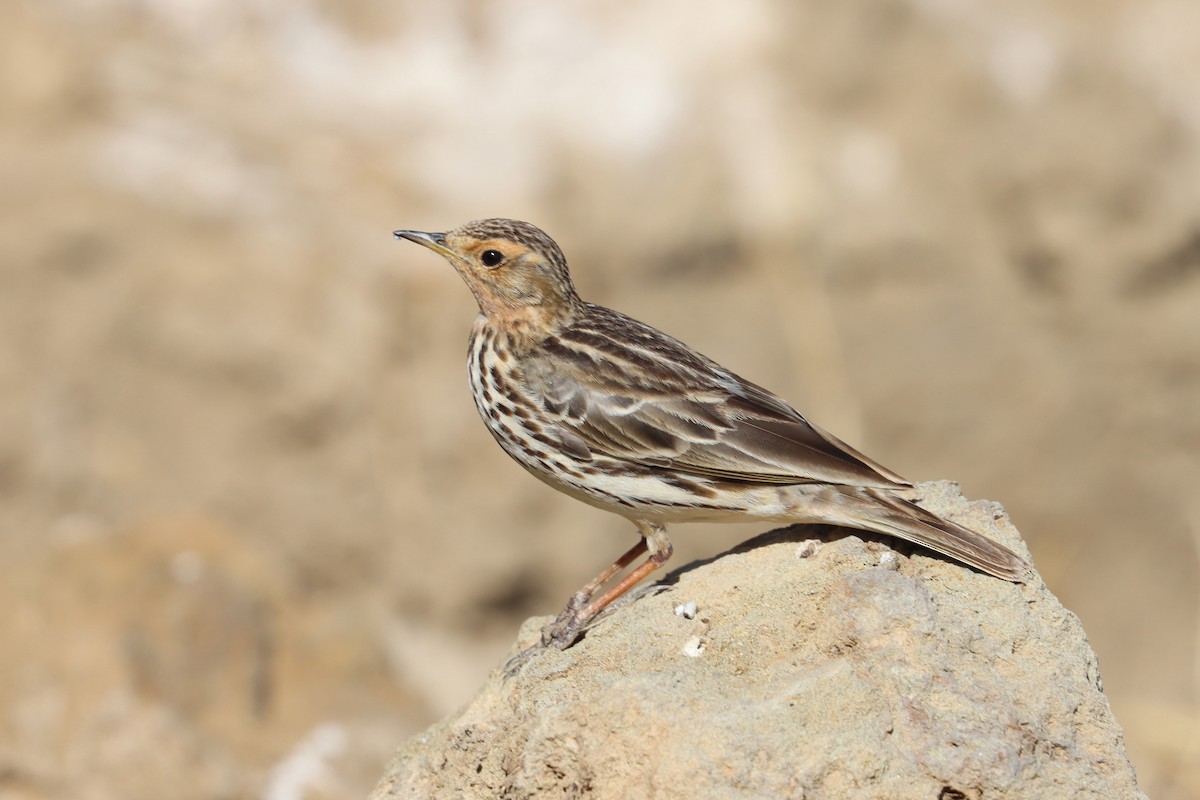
[[517, 273]]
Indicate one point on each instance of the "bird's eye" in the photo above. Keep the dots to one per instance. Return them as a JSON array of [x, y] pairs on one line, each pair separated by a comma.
[[491, 258]]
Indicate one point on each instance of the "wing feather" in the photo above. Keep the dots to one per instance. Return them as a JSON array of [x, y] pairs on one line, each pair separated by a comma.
[[632, 393]]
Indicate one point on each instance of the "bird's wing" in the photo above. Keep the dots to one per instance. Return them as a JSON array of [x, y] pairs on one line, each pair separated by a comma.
[[630, 392]]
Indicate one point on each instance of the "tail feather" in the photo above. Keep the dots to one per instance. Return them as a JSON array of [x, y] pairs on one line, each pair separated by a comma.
[[907, 520], [881, 511]]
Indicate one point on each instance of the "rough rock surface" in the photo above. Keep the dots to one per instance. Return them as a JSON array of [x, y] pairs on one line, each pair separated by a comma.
[[831, 669]]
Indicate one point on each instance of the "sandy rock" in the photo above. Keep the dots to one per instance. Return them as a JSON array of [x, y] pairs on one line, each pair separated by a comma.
[[834, 671]]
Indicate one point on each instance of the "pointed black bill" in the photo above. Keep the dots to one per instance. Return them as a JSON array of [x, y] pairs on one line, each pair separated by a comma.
[[434, 241]]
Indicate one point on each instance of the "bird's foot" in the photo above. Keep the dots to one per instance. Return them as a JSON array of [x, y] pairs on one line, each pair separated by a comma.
[[560, 634], [514, 664], [569, 624]]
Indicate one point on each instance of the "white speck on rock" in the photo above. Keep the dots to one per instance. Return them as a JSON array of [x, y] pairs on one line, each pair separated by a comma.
[[686, 610], [808, 548], [694, 646]]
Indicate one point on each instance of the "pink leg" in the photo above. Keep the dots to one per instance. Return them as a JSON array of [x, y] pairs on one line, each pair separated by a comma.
[[581, 609]]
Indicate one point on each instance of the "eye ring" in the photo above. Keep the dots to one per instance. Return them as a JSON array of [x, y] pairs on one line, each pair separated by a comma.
[[491, 258]]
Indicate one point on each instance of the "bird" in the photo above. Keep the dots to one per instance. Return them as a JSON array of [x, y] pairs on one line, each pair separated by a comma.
[[626, 418]]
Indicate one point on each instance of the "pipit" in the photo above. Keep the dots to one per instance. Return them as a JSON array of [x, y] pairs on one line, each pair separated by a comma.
[[628, 419]]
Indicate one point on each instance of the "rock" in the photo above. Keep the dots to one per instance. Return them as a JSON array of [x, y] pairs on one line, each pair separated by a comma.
[[840, 670]]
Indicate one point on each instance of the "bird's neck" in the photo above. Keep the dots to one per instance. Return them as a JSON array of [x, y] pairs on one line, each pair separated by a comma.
[[528, 325]]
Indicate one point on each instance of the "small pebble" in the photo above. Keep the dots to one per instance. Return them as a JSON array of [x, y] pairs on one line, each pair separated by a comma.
[[686, 610], [889, 560], [807, 548], [694, 646]]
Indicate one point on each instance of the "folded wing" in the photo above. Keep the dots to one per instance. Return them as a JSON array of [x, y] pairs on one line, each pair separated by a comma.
[[632, 393]]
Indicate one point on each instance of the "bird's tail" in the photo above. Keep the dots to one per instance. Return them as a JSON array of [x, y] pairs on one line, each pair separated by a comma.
[[883, 512]]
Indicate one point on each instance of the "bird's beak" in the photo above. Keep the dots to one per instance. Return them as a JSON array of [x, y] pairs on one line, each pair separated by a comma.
[[434, 241]]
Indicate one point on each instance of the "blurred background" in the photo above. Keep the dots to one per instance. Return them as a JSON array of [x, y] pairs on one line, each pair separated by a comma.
[[252, 534]]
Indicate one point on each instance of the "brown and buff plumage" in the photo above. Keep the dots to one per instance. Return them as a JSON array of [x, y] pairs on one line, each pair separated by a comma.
[[620, 415]]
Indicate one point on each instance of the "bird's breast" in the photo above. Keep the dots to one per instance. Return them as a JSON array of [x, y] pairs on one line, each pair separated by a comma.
[[522, 422], [515, 414]]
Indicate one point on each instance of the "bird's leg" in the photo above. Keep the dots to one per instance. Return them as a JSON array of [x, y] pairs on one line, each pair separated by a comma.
[[581, 598], [656, 543], [556, 631], [565, 629], [582, 609]]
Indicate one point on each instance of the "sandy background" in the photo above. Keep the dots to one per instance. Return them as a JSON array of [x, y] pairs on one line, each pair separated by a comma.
[[252, 534]]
